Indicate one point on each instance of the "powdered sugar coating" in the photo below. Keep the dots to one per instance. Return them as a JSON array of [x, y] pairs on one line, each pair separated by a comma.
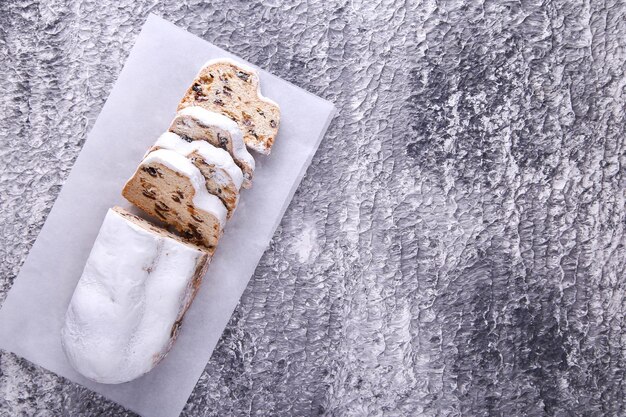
[[134, 288], [209, 118], [211, 154], [202, 199]]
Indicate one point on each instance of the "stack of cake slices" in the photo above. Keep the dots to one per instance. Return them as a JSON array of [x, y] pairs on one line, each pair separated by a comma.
[[140, 278]]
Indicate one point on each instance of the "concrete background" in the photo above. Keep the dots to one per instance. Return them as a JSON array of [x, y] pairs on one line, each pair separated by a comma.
[[457, 246]]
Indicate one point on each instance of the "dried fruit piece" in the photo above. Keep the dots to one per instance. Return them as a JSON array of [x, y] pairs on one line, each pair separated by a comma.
[[160, 213], [149, 193], [151, 171], [247, 120], [162, 206], [186, 138], [196, 218]]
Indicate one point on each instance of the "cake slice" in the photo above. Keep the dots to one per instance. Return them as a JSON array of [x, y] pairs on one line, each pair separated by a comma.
[[223, 177], [169, 186], [197, 123], [128, 305], [233, 89]]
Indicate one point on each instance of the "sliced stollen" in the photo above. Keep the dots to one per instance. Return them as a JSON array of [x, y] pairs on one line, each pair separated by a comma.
[[129, 303], [223, 177], [231, 88], [197, 123], [169, 186]]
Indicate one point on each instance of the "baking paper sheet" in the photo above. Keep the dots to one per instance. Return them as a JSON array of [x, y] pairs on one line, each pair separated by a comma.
[[160, 67]]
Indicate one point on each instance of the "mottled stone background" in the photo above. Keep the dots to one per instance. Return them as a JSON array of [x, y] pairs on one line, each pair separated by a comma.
[[457, 246]]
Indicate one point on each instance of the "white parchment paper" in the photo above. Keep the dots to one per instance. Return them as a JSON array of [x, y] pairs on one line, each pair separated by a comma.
[[142, 103]]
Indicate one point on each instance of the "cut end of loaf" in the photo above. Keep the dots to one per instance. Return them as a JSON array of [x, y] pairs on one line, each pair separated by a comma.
[[147, 225]]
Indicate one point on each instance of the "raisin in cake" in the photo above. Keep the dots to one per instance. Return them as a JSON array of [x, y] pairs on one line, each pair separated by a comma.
[[233, 89], [129, 303], [169, 186], [223, 177], [197, 123]]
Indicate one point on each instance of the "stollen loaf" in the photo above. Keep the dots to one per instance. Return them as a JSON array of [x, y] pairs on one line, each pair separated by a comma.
[[140, 278], [129, 303]]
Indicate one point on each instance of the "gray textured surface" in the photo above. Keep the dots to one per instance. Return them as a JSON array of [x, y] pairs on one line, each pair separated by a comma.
[[458, 244]]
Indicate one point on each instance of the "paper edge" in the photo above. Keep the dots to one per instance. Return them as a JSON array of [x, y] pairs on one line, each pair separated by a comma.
[[154, 16], [305, 167], [332, 112]]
